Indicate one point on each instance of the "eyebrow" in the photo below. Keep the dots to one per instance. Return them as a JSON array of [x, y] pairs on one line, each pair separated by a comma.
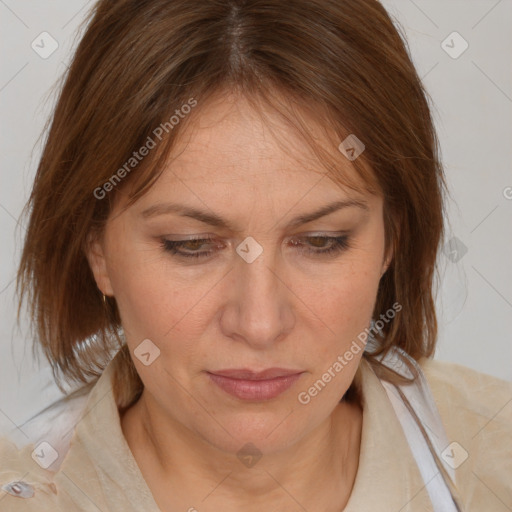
[[217, 221]]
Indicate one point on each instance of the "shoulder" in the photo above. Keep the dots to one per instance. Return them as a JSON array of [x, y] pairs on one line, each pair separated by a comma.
[[476, 410], [458, 388], [30, 455]]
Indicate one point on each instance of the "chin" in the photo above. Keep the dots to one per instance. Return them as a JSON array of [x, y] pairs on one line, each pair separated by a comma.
[[267, 432]]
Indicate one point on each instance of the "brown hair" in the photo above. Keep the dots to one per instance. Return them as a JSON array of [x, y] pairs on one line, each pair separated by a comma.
[[343, 63]]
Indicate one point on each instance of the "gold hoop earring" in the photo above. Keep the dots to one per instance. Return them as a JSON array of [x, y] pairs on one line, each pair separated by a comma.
[[104, 299]]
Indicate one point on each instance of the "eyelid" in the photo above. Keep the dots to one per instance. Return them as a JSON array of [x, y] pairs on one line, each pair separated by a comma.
[[210, 238], [322, 233], [339, 244]]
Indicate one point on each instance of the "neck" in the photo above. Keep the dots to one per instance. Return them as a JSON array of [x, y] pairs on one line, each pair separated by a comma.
[[182, 468]]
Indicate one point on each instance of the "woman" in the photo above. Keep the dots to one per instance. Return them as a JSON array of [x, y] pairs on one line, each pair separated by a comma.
[[232, 240]]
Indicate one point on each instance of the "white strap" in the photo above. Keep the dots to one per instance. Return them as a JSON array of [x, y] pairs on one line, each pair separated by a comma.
[[436, 486], [420, 398]]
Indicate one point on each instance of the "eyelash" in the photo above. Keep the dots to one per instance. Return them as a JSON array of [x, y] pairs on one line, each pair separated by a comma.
[[338, 245]]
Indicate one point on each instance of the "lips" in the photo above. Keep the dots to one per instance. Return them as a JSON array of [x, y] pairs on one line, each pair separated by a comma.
[[247, 374], [247, 384]]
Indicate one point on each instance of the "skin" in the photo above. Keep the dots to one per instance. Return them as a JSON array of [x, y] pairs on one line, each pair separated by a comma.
[[288, 308]]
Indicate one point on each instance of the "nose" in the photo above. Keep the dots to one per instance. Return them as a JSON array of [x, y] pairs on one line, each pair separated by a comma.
[[259, 310]]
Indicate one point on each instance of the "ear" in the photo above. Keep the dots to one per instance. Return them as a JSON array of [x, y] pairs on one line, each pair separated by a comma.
[[95, 254]]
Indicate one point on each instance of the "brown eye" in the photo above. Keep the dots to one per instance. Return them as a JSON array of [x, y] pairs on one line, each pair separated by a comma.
[[318, 241], [189, 248], [193, 245], [323, 245]]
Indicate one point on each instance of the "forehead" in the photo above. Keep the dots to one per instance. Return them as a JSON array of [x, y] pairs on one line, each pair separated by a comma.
[[229, 141], [238, 160]]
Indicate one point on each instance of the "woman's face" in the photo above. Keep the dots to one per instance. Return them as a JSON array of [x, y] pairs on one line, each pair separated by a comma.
[[262, 293]]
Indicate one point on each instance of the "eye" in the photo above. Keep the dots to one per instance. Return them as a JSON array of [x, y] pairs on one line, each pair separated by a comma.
[[317, 245], [191, 247]]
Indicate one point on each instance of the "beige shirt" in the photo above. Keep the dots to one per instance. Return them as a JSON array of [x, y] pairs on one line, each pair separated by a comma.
[[99, 473]]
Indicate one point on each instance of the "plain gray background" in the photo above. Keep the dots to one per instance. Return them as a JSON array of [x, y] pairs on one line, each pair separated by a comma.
[[472, 97]]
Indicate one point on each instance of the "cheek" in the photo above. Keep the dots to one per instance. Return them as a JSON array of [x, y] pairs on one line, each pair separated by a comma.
[[343, 304], [346, 314], [347, 293], [150, 301]]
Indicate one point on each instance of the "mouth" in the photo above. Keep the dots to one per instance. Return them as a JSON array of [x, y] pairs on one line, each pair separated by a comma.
[[255, 386]]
